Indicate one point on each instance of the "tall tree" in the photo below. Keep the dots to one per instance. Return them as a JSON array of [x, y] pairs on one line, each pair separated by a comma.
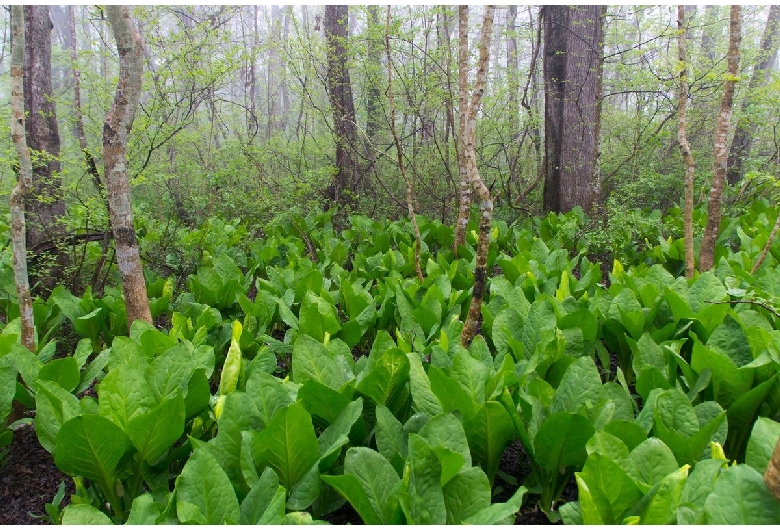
[[682, 138], [720, 151], [464, 184], [743, 138], [469, 158], [45, 206], [116, 131], [342, 190], [18, 195], [573, 36]]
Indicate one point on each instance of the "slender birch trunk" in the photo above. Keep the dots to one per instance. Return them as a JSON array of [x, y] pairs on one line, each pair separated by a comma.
[[464, 203], [116, 131], [682, 138], [24, 184], [474, 317], [400, 153], [714, 212]]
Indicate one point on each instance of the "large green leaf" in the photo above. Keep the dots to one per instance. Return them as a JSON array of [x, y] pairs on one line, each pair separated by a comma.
[[238, 415], [761, 445], [268, 394], [204, 485], [54, 406], [390, 438], [91, 446], [742, 414], [741, 497], [422, 395], [422, 499], [729, 381], [561, 441], [370, 484], [172, 370], [499, 512], [606, 492], [489, 431], [653, 461], [288, 444], [84, 514], [676, 424], [581, 384], [153, 432], [659, 505], [388, 374], [124, 394], [317, 317], [322, 401], [312, 360], [261, 497], [466, 494], [7, 392], [64, 371]]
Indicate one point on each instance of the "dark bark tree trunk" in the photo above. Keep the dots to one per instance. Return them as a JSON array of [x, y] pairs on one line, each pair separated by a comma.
[[743, 139], [345, 185], [707, 251], [19, 193], [116, 131], [571, 76], [45, 205]]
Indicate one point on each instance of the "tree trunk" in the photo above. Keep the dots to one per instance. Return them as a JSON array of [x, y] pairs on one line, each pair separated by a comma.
[[741, 144], [19, 193], [373, 96], [275, 118], [682, 138], [342, 191], [116, 130], [473, 323], [464, 203], [573, 36], [707, 251], [45, 205], [400, 153]]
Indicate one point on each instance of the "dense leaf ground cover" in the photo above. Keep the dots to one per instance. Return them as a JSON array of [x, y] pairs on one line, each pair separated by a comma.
[[310, 368]]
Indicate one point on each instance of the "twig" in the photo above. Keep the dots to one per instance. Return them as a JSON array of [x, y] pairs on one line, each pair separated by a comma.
[[752, 302]]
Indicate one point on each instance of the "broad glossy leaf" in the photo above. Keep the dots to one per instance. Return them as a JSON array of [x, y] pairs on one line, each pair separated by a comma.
[[388, 374], [446, 431], [659, 505], [741, 497], [239, 414], [423, 499], [317, 317], [606, 492], [144, 510], [471, 374], [500, 512], [742, 414], [422, 395], [7, 392], [84, 514], [322, 401], [312, 360], [580, 384], [54, 406], [450, 394], [91, 446], [153, 432], [676, 424], [489, 432], [205, 485], [268, 394], [124, 394], [370, 484], [260, 497], [654, 461], [706, 289], [466, 494], [173, 369], [336, 435], [390, 438], [561, 441], [729, 381], [64, 371], [763, 440], [288, 444]]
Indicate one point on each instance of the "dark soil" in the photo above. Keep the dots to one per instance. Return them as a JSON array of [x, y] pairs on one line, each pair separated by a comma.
[[28, 480]]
